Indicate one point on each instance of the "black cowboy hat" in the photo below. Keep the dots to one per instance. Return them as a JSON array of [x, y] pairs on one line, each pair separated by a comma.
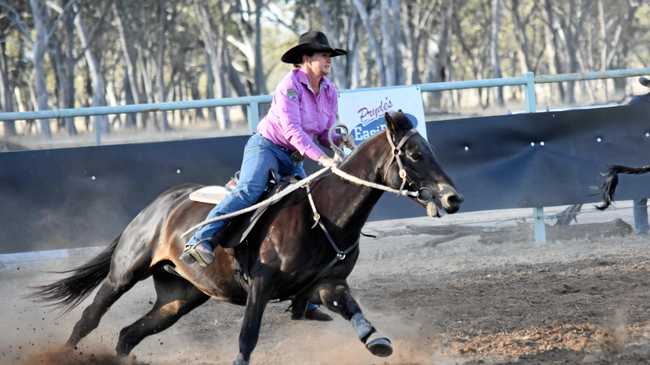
[[312, 41]]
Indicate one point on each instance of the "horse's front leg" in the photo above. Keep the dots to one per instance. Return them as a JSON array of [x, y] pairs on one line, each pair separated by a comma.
[[258, 295], [337, 298]]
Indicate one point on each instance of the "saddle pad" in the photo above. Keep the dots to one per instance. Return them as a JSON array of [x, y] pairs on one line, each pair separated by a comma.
[[212, 194]]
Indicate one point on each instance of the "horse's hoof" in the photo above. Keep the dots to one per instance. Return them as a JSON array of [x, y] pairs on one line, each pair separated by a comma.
[[240, 361], [379, 346]]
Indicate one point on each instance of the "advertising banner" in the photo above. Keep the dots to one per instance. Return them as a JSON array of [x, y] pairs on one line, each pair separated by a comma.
[[362, 111]]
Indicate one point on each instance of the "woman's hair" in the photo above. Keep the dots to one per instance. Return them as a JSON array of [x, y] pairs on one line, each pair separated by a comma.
[[306, 53]]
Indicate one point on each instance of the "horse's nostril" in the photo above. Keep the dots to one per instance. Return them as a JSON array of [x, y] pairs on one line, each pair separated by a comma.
[[455, 200]]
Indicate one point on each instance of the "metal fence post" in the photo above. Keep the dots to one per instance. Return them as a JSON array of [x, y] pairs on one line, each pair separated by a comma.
[[98, 132], [253, 111], [538, 212], [540, 228]]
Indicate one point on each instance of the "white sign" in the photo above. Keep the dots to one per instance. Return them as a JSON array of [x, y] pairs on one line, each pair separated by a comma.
[[362, 111]]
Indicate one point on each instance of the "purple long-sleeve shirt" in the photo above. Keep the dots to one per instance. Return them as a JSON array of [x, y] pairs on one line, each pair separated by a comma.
[[298, 116]]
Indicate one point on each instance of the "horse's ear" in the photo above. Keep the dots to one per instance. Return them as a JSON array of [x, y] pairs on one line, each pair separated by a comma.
[[397, 121], [390, 123]]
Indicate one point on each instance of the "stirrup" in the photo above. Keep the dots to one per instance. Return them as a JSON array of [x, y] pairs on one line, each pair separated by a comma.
[[198, 253]]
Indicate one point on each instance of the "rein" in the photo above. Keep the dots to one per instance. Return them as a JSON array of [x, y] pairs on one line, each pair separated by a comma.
[[396, 155], [341, 255]]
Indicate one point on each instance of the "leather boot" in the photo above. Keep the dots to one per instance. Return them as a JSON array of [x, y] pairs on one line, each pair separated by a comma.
[[201, 253]]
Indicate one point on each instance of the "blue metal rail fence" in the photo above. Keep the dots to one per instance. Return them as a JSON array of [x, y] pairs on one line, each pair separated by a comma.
[[528, 80]]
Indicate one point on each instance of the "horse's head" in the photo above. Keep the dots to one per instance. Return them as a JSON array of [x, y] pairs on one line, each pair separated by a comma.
[[412, 165]]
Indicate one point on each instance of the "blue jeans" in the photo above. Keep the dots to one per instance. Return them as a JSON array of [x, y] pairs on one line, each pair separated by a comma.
[[260, 157]]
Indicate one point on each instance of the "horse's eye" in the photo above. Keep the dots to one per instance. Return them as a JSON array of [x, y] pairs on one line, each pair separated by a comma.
[[415, 156]]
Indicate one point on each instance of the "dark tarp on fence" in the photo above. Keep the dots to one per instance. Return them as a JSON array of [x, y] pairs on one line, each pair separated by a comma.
[[85, 196], [543, 159]]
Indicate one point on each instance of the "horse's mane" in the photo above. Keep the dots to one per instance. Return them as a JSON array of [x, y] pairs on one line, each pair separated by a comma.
[[363, 144]]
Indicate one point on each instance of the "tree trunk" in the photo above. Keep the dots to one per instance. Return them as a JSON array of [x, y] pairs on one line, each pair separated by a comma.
[[98, 84], [69, 63], [129, 60], [388, 41], [554, 32], [260, 79], [519, 30], [372, 41], [197, 95], [571, 28], [494, 47], [438, 54], [131, 121], [39, 48], [212, 113], [628, 24], [214, 48], [160, 61], [353, 76], [7, 91], [327, 15], [56, 60], [413, 32], [151, 119], [397, 37]]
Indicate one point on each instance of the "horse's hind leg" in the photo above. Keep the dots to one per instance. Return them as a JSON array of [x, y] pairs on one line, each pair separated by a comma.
[[129, 265], [176, 297], [108, 293], [337, 298]]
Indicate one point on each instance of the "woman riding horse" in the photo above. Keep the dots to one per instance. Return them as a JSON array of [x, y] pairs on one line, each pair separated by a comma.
[[302, 248], [304, 107]]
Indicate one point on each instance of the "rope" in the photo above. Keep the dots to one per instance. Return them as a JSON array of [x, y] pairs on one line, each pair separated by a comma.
[[268, 201], [338, 151], [353, 179], [297, 185]]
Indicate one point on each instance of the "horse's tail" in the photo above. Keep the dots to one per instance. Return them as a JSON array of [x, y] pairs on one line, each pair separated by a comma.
[[72, 290], [608, 187]]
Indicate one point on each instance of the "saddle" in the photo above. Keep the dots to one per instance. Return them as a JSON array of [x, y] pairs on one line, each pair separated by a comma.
[[238, 228]]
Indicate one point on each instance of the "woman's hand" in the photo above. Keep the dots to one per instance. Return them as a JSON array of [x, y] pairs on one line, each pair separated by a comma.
[[348, 141]]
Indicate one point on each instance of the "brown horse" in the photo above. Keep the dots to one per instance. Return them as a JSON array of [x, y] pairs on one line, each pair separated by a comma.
[[286, 255]]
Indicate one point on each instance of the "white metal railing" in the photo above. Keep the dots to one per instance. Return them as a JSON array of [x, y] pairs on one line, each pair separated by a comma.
[[528, 80]]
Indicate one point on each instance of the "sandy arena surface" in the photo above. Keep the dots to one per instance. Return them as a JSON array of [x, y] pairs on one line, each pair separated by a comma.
[[465, 289]]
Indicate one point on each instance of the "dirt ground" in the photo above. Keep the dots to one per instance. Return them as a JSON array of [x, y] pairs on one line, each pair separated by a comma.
[[465, 289]]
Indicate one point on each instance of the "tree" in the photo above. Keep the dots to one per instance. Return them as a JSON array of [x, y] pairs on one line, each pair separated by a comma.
[[94, 68], [390, 40], [495, 56], [39, 47], [214, 57], [160, 59], [364, 15], [156, 50], [6, 79]]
